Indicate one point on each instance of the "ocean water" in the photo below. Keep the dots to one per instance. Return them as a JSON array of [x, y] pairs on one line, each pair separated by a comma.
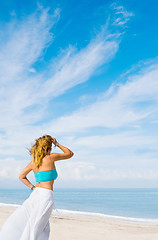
[[136, 204]]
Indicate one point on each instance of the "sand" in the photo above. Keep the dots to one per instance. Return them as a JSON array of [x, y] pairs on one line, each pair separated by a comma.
[[74, 227]]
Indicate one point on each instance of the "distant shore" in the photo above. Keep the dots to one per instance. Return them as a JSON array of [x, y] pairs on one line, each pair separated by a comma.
[[80, 227]]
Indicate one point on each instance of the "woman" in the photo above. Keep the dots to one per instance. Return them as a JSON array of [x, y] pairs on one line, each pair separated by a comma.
[[30, 221]]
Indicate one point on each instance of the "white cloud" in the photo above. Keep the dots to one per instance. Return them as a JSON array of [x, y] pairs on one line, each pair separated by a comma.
[[21, 47], [32, 70], [83, 171], [78, 67], [119, 107], [25, 91], [118, 140], [124, 15], [11, 168]]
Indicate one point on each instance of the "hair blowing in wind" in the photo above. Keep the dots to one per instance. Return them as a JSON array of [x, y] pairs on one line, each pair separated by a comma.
[[40, 149]]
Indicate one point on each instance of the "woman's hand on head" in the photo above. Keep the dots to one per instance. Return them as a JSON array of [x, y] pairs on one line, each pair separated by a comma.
[[54, 141]]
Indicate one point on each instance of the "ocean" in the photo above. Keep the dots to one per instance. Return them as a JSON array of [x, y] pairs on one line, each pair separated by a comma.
[[128, 204]]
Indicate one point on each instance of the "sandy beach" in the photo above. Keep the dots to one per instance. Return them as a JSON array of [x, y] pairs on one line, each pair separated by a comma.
[[74, 227]]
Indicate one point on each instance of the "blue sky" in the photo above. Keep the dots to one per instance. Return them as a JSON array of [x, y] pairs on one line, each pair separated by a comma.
[[84, 72]]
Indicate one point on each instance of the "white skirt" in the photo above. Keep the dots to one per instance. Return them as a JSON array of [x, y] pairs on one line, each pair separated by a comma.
[[30, 221]]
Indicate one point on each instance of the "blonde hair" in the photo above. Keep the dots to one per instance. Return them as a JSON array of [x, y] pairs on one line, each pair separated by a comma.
[[40, 149]]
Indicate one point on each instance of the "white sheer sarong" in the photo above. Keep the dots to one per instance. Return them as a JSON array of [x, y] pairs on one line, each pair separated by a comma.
[[30, 221]]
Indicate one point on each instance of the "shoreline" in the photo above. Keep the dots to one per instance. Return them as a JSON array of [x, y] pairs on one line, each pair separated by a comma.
[[72, 226], [92, 215], [67, 213]]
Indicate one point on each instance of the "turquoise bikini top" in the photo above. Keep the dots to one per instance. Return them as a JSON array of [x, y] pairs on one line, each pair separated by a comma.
[[46, 175]]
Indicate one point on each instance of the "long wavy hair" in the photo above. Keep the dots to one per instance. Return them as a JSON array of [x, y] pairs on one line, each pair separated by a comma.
[[40, 149]]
